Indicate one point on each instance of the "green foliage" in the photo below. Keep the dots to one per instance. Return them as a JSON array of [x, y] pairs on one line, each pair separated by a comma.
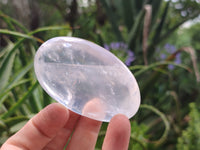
[[138, 136], [190, 139], [20, 95], [187, 36]]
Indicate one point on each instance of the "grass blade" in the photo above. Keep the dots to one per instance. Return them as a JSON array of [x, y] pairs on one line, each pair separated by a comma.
[[5, 17], [161, 24], [49, 28], [6, 69], [157, 64], [158, 30], [135, 29], [165, 121], [20, 102], [112, 19], [4, 93], [3, 127], [14, 120], [15, 81], [18, 34], [156, 6], [127, 8], [139, 5], [20, 74]]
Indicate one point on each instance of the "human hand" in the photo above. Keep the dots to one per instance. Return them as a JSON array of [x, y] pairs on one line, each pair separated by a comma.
[[52, 127]]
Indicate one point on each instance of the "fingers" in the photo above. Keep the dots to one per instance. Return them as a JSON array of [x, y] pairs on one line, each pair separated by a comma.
[[86, 131], [118, 134], [40, 129], [52, 127], [60, 140], [85, 134]]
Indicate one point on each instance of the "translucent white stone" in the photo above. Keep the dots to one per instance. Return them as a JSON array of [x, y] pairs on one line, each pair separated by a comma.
[[86, 78]]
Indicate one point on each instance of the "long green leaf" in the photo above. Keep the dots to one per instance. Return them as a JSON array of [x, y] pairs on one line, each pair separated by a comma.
[[161, 24], [5, 92], [127, 8], [8, 22], [158, 31], [113, 19], [3, 127], [18, 34], [146, 86], [154, 65], [6, 69], [46, 99], [156, 6], [173, 28], [49, 28], [5, 51], [165, 121], [20, 102], [18, 75], [29, 35], [135, 29], [139, 5], [38, 98], [14, 120], [3, 74], [12, 20]]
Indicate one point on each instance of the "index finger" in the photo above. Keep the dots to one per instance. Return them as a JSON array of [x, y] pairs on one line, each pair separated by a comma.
[[40, 129]]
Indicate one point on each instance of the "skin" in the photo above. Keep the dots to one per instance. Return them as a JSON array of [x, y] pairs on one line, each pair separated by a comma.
[[52, 127]]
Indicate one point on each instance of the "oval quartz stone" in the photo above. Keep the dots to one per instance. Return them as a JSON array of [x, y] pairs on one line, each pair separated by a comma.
[[86, 78]]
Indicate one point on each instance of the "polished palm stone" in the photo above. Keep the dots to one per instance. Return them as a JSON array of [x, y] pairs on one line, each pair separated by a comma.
[[86, 78]]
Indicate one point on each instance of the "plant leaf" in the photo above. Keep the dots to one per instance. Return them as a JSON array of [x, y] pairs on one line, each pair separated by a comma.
[[165, 121], [127, 8], [20, 102], [14, 120], [112, 19], [6, 68]]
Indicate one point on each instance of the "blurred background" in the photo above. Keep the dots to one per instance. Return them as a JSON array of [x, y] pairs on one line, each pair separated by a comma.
[[158, 40]]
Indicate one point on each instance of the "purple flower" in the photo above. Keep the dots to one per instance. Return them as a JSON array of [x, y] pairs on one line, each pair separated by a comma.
[[115, 45], [130, 53], [121, 50], [170, 48], [163, 56], [130, 58], [178, 58], [177, 61], [123, 45], [106, 46]]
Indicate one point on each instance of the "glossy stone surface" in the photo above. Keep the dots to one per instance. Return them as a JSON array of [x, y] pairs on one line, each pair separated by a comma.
[[86, 78]]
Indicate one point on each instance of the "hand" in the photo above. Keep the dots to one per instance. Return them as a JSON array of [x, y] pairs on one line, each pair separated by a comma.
[[52, 127]]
